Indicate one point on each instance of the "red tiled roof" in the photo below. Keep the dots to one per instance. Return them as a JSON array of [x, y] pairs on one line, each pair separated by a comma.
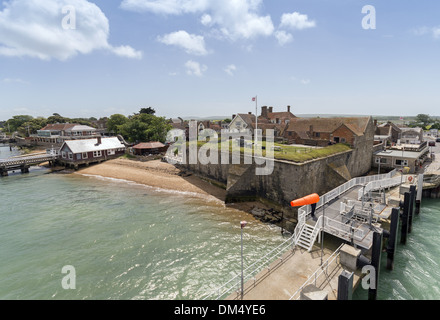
[[357, 125], [59, 126], [149, 145]]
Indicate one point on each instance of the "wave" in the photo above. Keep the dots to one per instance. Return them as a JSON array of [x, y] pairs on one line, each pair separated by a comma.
[[156, 189]]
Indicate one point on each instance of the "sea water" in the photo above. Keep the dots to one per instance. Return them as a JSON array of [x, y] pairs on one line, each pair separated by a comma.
[[124, 240], [416, 274]]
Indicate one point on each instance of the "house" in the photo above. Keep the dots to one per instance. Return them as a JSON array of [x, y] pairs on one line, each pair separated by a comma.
[[243, 122], [56, 134], [155, 147], [411, 135], [387, 132], [86, 151], [277, 121], [398, 159], [325, 131]]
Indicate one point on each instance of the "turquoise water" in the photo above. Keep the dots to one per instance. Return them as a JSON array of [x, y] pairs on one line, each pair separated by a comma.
[[125, 241], [416, 274]]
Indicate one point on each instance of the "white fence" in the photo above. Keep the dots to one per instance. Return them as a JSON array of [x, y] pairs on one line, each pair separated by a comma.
[[305, 211]]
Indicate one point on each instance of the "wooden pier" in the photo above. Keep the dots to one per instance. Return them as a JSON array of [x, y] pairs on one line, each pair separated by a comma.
[[23, 163]]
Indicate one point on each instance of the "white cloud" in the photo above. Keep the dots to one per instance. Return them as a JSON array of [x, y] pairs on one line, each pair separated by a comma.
[[174, 7], [192, 44], [15, 80], [230, 69], [206, 20], [232, 19], [283, 37], [431, 31], [195, 69], [34, 28], [127, 52], [305, 81], [296, 21]]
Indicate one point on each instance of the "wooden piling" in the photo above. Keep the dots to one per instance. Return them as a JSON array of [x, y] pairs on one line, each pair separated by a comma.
[[405, 218], [345, 285], [392, 239], [419, 193], [412, 192], [375, 262]]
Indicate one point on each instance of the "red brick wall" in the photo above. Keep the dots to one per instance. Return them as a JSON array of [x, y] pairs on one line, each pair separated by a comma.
[[344, 132]]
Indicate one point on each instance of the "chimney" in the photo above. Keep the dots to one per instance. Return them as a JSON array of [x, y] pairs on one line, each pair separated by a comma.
[[311, 129], [249, 113], [264, 112], [270, 109], [288, 108], [99, 140], [233, 116], [375, 122]]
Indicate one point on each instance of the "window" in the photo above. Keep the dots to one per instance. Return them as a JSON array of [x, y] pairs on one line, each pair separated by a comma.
[[343, 140], [97, 154], [400, 162], [63, 154], [317, 134], [382, 160], [70, 156], [111, 152], [85, 155]]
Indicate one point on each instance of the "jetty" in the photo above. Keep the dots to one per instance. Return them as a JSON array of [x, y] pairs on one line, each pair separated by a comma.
[[325, 257], [23, 163]]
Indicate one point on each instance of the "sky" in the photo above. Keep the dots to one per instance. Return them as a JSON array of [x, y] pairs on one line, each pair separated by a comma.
[[200, 58]]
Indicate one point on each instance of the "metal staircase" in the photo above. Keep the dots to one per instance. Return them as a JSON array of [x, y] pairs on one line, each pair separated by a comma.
[[307, 234]]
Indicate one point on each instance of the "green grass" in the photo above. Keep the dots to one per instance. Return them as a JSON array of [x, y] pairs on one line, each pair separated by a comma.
[[295, 155], [127, 156], [292, 153]]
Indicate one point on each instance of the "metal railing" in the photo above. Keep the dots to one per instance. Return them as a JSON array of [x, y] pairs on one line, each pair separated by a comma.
[[305, 211], [251, 271], [379, 184], [322, 270]]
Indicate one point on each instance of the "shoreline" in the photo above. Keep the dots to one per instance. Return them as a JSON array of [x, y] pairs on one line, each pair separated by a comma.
[[155, 174], [165, 177]]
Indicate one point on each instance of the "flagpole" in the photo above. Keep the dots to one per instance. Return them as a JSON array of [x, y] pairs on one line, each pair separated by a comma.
[[256, 120]]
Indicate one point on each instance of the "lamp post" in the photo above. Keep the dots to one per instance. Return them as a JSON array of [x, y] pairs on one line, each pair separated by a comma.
[[242, 224]]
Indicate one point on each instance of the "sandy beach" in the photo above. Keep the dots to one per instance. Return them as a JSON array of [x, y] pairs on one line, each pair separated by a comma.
[[155, 174]]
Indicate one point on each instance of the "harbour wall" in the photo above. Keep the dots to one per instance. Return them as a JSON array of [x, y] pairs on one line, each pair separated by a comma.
[[288, 181]]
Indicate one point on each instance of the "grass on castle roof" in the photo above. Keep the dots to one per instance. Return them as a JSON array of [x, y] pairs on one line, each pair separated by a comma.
[[296, 154]]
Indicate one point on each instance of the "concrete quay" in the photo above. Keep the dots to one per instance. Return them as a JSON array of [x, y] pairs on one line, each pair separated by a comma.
[[302, 274]]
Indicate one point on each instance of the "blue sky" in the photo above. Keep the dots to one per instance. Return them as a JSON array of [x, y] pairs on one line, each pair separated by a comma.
[[210, 57]]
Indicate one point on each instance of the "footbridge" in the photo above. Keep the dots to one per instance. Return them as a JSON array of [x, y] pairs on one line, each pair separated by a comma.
[[24, 162]]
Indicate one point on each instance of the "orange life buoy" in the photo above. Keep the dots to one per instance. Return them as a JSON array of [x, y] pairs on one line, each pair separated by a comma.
[[410, 178], [310, 199]]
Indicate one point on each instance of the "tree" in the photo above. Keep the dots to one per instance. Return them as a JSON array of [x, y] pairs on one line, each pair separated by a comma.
[[148, 110], [115, 121], [32, 126], [17, 121], [56, 118], [145, 127], [424, 119]]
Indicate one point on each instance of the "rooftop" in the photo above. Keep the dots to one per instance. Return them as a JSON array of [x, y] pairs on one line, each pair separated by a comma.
[[88, 145]]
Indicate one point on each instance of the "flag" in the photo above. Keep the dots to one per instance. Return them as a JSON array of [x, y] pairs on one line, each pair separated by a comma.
[[254, 99]]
